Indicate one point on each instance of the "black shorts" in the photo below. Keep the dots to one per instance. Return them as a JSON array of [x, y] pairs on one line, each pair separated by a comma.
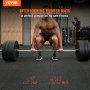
[[47, 37]]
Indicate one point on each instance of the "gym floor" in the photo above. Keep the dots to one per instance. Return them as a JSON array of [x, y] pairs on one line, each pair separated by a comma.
[[27, 74]]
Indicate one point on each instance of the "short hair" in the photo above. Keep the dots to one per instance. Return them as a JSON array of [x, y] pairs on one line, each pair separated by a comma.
[[46, 6]]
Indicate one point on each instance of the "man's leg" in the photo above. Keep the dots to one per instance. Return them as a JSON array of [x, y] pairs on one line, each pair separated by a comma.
[[54, 40], [38, 41], [38, 45]]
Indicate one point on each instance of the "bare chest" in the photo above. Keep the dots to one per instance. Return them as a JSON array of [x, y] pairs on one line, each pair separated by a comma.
[[46, 26]]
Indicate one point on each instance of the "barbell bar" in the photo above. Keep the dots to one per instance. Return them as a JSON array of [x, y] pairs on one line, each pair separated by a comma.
[[10, 50], [46, 50], [20, 50]]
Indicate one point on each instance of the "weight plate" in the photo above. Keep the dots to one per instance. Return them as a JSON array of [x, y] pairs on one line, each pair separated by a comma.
[[82, 53], [4, 50], [9, 51]]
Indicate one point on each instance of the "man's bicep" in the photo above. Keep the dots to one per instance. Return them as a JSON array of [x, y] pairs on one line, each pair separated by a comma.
[[56, 26], [57, 29]]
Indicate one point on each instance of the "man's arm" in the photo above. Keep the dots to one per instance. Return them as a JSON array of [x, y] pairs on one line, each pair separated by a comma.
[[58, 34], [36, 31]]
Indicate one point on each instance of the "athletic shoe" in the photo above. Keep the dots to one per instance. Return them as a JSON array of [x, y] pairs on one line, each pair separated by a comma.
[[54, 57], [39, 58]]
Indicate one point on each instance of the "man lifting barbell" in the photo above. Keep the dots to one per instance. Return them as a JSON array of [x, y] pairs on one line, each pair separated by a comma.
[[49, 31]]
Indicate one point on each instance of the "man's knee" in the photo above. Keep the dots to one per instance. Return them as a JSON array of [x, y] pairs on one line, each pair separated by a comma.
[[54, 39], [38, 39]]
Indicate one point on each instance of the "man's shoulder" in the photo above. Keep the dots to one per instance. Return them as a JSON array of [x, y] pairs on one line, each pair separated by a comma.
[[54, 22], [39, 22]]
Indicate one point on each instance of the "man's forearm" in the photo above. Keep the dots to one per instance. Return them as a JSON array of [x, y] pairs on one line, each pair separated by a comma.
[[34, 37], [33, 42], [58, 34], [60, 42]]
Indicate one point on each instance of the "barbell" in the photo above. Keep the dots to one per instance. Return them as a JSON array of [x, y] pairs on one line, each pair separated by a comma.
[[10, 50], [44, 50]]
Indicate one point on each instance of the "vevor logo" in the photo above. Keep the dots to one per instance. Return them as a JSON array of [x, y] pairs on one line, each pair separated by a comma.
[[11, 2]]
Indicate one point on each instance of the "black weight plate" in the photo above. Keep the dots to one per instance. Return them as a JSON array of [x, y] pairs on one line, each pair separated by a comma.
[[78, 50], [82, 54], [88, 48], [9, 52], [13, 54], [4, 50]]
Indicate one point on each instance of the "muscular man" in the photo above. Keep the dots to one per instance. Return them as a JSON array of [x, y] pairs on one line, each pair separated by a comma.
[[47, 29]]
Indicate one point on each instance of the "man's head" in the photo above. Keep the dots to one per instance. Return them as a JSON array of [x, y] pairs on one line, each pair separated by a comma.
[[46, 7], [75, 18]]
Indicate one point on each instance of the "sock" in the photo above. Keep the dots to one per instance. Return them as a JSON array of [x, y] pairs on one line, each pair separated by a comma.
[[39, 53], [54, 54]]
